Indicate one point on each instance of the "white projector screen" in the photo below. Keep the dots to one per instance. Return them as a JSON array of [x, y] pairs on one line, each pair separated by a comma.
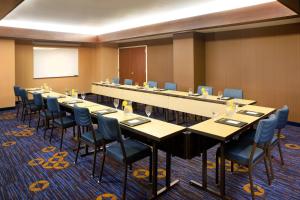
[[54, 62]]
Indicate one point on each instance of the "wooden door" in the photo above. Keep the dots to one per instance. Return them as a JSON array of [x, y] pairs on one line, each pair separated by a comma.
[[132, 64]]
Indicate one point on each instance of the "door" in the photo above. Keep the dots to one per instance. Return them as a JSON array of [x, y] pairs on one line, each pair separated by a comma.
[[132, 64]]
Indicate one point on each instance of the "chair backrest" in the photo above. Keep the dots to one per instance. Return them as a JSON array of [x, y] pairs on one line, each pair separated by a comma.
[[82, 116], [52, 105], [152, 84], [207, 88], [234, 93], [116, 80], [265, 130], [17, 91], [23, 95], [110, 128], [170, 86], [38, 99], [282, 115], [128, 82]]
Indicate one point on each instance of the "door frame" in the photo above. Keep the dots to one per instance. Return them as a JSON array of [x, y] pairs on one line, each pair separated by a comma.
[[146, 58]]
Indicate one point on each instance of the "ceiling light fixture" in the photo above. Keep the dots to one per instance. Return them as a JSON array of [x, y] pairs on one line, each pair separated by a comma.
[[138, 21]]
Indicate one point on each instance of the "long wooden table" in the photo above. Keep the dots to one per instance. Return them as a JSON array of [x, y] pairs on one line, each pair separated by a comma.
[[185, 143], [224, 133], [168, 99], [155, 132]]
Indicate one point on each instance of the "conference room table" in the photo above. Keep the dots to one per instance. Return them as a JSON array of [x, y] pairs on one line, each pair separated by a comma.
[[179, 101], [248, 115], [154, 132]]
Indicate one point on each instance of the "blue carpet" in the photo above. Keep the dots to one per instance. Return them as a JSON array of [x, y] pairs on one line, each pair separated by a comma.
[[32, 168]]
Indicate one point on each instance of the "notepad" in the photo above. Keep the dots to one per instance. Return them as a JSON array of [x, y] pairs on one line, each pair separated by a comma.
[[251, 113], [105, 111], [73, 101], [225, 98], [194, 94], [231, 122], [135, 121]]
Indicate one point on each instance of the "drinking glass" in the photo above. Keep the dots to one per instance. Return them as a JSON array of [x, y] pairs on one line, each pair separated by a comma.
[[67, 92], [190, 91], [220, 94], [116, 103], [148, 110], [82, 95]]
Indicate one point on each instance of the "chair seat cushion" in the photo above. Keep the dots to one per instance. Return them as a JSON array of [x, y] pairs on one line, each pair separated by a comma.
[[239, 151], [48, 114], [33, 107], [66, 122], [88, 137], [135, 151], [249, 137]]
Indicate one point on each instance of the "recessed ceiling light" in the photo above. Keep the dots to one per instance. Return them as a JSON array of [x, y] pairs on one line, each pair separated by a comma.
[[153, 18]]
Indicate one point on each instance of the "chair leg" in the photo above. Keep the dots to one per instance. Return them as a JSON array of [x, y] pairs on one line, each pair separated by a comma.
[[267, 170], [217, 170], [74, 131], [46, 127], [30, 113], [61, 139], [270, 161], [18, 107], [251, 182], [280, 152], [150, 168], [38, 124], [94, 162], [102, 164], [77, 152], [52, 128], [124, 182]]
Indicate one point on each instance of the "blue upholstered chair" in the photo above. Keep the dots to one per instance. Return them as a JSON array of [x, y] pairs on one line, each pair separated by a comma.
[[86, 133], [234, 93], [282, 118], [125, 151], [248, 153], [152, 84], [59, 118], [170, 86], [207, 88], [28, 106], [116, 80], [18, 99], [128, 82], [39, 103]]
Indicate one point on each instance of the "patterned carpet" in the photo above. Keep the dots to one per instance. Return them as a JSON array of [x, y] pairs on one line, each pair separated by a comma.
[[32, 168]]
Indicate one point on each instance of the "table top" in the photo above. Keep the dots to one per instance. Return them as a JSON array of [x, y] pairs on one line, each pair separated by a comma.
[[181, 94], [222, 132], [155, 129]]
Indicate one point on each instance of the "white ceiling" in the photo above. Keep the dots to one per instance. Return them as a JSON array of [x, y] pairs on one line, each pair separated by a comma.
[[104, 16]]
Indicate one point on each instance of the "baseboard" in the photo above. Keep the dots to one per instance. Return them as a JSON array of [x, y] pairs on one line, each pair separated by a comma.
[[7, 108], [293, 123]]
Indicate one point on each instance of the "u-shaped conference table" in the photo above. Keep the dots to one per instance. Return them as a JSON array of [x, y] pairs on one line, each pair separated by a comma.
[[175, 140]]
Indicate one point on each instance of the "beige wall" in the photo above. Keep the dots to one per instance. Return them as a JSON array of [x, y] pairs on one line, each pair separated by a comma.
[[7, 75], [265, 63], [160, 63], [106, 63], [24, 70], [183, 63]]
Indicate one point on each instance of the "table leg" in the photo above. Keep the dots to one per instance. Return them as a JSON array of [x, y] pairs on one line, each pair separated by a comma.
[[154, 170], [203, 186], [222, 172], [168, 169]]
